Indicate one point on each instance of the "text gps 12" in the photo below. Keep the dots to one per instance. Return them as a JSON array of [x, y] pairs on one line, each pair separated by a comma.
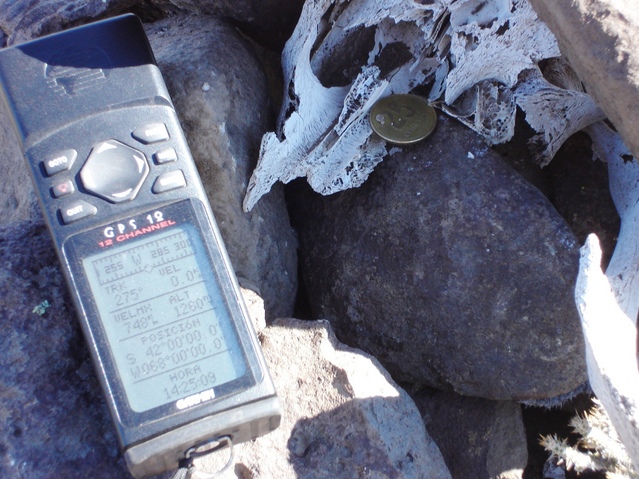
[[176, 355]]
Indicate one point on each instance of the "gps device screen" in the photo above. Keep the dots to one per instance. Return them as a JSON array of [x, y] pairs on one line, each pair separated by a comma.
[[164, 316], [151, 282]]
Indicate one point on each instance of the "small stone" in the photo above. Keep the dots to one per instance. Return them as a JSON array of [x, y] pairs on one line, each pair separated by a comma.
[[299, 444], [478, 438]]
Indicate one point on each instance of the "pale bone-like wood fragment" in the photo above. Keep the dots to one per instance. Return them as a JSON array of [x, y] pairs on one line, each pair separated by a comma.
[[611, 348], [570, 107], [470, 53]]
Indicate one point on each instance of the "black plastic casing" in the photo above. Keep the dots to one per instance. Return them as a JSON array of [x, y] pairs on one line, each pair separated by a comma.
[[99, 82]]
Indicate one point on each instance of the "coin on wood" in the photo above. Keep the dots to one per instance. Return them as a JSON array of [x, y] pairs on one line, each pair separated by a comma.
[[403, 119]]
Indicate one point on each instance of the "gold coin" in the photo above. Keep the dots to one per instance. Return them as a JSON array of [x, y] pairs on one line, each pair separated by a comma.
[[403, 119]]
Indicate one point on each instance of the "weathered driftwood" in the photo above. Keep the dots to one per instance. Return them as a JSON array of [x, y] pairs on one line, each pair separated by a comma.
[[623, 172], [611, 345], [608, 304], [477, 60]]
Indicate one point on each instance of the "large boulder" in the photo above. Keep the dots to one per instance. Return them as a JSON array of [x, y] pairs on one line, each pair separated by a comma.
[[343, 416], [450, 269], [220, 92]]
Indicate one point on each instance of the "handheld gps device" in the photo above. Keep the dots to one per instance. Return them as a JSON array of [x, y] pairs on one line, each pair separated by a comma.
[[159, 305]]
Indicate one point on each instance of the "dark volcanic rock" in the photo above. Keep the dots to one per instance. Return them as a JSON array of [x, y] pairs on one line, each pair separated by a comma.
[[53, 420], [450, 269], [220, 93], [24, 20], [18, 200], [270, 22], [582, 196], [479, 438]]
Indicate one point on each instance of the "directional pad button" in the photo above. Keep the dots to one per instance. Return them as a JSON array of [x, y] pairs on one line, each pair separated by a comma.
[[114, 171]]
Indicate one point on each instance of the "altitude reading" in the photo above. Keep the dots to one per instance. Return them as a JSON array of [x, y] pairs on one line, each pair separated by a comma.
[[165, 319]]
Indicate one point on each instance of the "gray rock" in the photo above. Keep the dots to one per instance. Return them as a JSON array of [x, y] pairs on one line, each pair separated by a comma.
[[53, 420], [255, 307], [478, 438], [17, 197], [450, 269], [220, 93], [23, 20], [270, 22], [343, 416]]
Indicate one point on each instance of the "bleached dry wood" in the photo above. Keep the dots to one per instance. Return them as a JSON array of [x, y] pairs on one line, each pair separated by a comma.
[[623, 172], [564, 100], [526, 40], [471, 53], [611, 348]]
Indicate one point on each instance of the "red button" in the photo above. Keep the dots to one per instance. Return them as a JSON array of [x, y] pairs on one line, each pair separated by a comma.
[[62, 189]]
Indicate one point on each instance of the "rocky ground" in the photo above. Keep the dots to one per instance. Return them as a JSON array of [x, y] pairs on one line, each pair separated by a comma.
[[417, 327]]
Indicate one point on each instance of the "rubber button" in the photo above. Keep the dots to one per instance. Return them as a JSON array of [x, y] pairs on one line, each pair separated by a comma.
[[152, 133], [76, 211], [114, 171], [61, 161], [62, 189], [168, 181], [166, 155]]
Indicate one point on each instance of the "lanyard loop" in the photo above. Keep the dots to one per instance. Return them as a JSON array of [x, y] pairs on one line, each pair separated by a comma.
[[186, 467]]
